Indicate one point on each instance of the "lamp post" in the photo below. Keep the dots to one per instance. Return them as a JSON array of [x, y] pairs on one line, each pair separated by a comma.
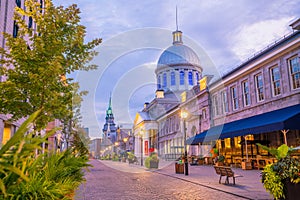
[[184, 115]]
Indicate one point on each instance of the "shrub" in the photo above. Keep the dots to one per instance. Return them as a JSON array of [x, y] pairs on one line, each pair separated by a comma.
[[26, 175], [285, 169]]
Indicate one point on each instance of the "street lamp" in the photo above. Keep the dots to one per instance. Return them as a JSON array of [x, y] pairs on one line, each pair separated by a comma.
[[184, 115]]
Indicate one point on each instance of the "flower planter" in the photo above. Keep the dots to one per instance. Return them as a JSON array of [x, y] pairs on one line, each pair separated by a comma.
[[130, 161], [291, 190], [179, 168], [200, 161], [153, 164]]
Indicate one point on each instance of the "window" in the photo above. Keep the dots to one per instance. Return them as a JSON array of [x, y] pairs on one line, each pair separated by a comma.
[[18, 2], [295, 72], [215, 105], [204, 113], [259, 87], [173, 80], [234, 97], [181, 77], [159, 82], [30, 22], [15, 30], [173, 123], [246, 94], [191, 82], [197, 78], [164, 80], [6, 133], [224, 105], [41, 6], [275, 79]]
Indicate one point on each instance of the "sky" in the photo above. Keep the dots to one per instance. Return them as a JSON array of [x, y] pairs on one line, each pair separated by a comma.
[[223, 33]]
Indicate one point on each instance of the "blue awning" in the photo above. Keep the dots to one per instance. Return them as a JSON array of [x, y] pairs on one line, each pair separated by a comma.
[[282, 119]]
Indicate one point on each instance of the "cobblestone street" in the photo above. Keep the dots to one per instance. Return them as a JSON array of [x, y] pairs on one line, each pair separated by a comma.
[[104, 182]]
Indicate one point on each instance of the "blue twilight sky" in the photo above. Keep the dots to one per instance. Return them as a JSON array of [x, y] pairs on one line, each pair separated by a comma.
[[222, 32]]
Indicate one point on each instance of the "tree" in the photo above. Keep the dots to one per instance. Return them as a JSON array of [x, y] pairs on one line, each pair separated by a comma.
[[36, 61]]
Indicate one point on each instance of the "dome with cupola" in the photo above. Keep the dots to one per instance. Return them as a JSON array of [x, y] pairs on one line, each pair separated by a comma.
[[178, 54], [178, 67]]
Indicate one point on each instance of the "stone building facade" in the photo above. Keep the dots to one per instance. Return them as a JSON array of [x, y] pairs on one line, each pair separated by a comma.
[[267, 82], [266, 85]]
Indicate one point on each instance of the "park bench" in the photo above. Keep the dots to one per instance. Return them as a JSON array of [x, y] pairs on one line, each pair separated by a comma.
[[226, 171]]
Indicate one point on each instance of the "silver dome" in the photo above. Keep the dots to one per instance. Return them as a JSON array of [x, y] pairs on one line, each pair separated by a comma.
[[177, 55]]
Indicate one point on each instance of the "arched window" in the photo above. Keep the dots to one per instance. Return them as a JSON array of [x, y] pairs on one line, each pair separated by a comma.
[[181, 77], [173, 80], [164, 80], [158, 82], [191, 82], [18, 2], [197, 78]]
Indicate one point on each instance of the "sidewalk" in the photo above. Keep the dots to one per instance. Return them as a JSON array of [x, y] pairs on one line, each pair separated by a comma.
[[249, 186]]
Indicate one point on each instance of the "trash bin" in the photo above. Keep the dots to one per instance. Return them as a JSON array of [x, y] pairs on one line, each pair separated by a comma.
[[179, 168]]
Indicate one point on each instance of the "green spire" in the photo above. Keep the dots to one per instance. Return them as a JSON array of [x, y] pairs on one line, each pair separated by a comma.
[[109, 110]]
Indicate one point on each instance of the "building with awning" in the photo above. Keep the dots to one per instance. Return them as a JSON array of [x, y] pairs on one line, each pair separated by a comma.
[[278, 120], [256, 102]]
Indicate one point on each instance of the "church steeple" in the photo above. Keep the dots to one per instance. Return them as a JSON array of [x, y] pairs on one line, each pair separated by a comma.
[[109, 128], [177, 35], [109, 109]]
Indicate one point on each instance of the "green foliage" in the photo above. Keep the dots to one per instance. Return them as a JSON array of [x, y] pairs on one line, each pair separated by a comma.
[[272, 182], [152, 158], [280, 152], [52, 177], [115, 157], [285, 169], [27, 175], [80, 142], [221, 158], [41, 56], [147, 162], [131, 157]]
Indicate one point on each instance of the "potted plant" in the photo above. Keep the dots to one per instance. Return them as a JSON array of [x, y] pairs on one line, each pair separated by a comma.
[[282, 178], [131, 157], [152, 161], [200, 160]]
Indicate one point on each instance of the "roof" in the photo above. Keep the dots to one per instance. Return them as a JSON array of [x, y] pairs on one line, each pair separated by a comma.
[[178, 54], [144, 115], [282, 119]]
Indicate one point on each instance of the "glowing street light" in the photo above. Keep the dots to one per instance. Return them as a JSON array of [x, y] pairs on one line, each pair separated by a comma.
[[184, 115]]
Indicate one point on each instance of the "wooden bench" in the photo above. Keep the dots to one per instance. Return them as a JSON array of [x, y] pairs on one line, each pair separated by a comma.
[[226, 171]]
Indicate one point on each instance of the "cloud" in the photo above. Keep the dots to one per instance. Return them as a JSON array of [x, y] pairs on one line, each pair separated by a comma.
[[257, 36], [222, 33]]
